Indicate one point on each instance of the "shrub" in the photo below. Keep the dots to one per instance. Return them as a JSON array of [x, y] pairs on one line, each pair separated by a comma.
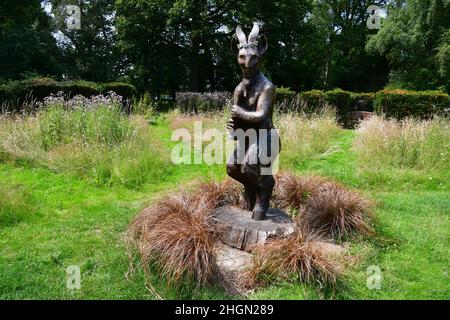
[[312, 100], [362, 102], [178, 235], [305, 255], [338, 211], [286, 99], [194, 102], [40, 87], [339, 99], [80, 87], [126, 90], [315, 100], [403, 103], [18, 92], [323, 205]]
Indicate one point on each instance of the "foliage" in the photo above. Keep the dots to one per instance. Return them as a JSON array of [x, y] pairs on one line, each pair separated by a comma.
[[90, 52], [125, 90], [362, 101], [405, 103], [286, 99], [26, 43], [193, 102], [413, 39], [13, 94]]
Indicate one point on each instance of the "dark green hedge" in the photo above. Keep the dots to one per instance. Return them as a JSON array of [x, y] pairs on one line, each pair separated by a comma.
[[193, 102], [314, 100], [126, 90], [29, 89], [405, 103], [80, 87], [286, 99], [362, 102], [15, 93]]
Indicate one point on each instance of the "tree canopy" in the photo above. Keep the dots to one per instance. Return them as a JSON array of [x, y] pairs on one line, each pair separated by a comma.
[[164, 46]]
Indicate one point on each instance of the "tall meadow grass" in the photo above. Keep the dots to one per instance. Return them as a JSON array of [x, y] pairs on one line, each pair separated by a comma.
[[409, 144], [306, 136], [91, 138]]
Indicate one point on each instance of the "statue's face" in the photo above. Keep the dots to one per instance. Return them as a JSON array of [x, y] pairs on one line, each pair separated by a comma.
[[248, 59]]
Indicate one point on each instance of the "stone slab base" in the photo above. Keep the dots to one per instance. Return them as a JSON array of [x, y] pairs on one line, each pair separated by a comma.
[[241, 232]]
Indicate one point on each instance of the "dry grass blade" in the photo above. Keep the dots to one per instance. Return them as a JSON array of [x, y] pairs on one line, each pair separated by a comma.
[[339, 211], [228, 192], [178, 234], [292, 191], [305, 253]]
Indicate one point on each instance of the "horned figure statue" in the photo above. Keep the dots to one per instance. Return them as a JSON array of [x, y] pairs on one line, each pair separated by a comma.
[[251, 125]]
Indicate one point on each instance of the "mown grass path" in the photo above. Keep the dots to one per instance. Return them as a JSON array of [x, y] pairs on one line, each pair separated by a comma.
[[73, 222]]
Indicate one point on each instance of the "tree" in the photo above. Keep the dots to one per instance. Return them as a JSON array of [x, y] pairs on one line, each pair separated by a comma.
[[89, 52], [341, 26], [26, 42], [414, 39]]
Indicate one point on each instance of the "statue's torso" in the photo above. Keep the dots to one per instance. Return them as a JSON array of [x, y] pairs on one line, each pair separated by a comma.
[[246, 95]]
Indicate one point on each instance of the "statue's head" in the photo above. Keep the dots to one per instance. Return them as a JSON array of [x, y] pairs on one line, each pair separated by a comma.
[[249, 52]]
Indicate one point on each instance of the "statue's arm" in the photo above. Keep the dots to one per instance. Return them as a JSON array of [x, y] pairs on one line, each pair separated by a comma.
[[265, 104]]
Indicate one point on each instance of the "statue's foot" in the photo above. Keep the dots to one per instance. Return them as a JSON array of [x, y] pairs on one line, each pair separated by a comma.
[[259, 213]]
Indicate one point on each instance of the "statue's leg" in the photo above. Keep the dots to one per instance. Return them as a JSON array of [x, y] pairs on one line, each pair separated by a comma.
[[252, 171], [234, 170], [261, 175], [264, 193]]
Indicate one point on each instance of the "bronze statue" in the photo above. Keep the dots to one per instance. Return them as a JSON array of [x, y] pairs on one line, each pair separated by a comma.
[[252, 109]]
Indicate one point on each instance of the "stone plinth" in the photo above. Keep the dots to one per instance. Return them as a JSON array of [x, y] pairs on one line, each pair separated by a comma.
[[241, 232], [238, 235]]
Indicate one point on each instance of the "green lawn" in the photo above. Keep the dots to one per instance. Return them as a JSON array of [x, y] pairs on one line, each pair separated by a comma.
[[63, 220]]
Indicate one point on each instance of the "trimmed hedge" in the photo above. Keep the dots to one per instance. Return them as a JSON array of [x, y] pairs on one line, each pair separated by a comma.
[[404, 103], [392, 103], [34, 88], [314, 100], [362, 102], [15, 93], [286, 99], [126, 90], [80, 87], [194, 102]]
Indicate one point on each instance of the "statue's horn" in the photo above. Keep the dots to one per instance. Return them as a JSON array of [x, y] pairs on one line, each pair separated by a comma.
[[240, 35], [253, 36]]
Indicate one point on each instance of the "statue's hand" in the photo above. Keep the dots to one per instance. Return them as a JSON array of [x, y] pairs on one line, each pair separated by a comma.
[[236, 111], [230, 124]]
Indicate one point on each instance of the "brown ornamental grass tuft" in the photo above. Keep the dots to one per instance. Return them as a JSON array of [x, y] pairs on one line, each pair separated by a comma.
[[292, 192], [305, 254], [178, 235], [339, 211], [324, 205]]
